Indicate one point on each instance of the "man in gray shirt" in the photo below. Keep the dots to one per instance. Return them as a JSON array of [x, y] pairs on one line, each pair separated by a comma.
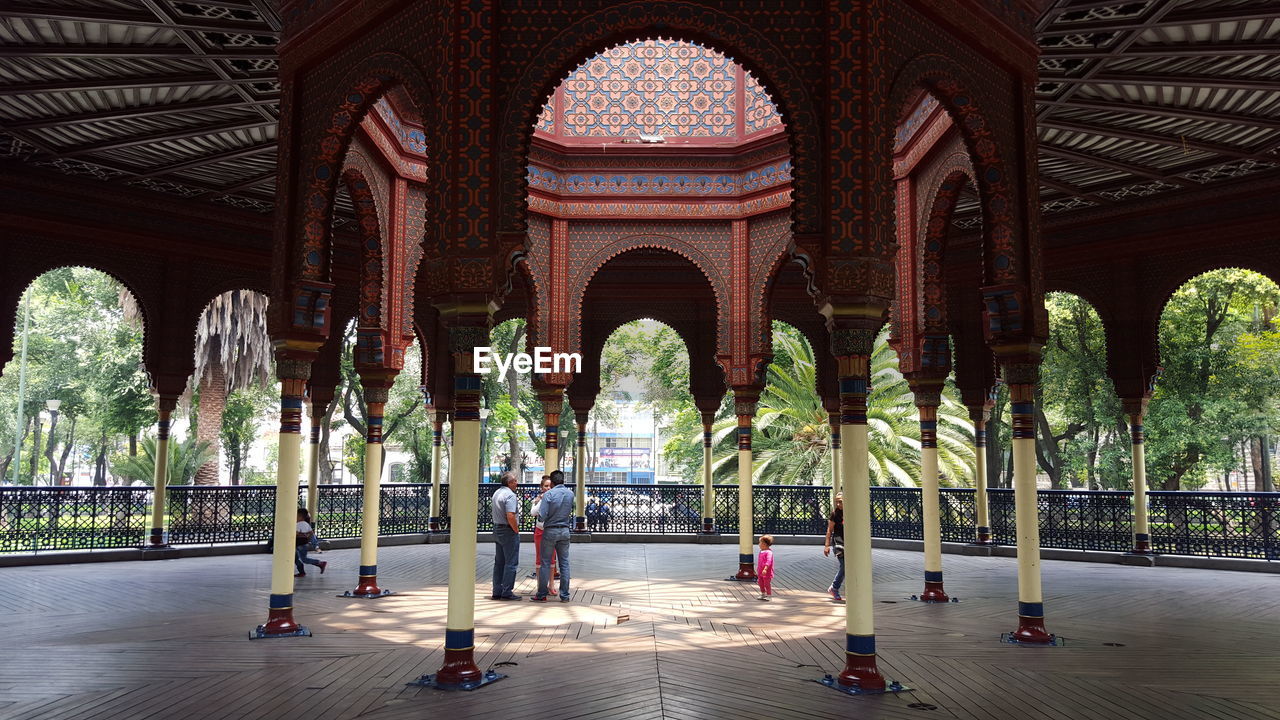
[[556, 512], [506, 539]]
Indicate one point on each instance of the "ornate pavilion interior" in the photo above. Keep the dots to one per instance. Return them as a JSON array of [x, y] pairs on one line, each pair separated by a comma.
[[428, 169]]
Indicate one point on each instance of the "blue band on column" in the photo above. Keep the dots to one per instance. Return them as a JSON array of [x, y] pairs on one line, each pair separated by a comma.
[[984, 529], [857, 386], [467, 382], [707, 520], [1144, 537], [459, 639], [933, 576], [860, 644], [281, 602], [1032, 610], [368, 570], [1023, 408], [928, 424], [746, 558]]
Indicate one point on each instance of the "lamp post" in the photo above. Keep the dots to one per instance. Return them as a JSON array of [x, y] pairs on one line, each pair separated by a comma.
[[53, 405]]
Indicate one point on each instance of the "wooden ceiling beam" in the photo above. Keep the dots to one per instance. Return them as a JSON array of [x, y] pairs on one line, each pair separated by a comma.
[[163, 12], [1148, 51], [1168, 140], [124, 17], [162, 52], [1109, 164], [1173, 19], [1230, 83], [151, 138], [142, 111], [236, 153], [1185, 113], [115, 83]]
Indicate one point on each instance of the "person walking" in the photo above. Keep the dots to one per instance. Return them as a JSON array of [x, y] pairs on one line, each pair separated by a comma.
[[556, 512], [506, 538], [302, 540], [835, 539], [764, 567]]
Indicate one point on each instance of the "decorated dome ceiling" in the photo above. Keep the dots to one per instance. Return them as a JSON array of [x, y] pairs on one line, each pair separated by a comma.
[[670, 88]]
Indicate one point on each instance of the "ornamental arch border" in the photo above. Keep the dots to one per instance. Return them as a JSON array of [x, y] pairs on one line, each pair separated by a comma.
[[676, 246], [325, 151], [962, 98], [708, 27]]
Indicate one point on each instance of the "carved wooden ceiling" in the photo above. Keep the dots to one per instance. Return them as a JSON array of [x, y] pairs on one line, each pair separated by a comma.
[[1135, 98]]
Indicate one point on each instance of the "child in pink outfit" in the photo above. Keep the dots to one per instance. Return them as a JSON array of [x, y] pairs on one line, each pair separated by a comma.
[[764, 567]]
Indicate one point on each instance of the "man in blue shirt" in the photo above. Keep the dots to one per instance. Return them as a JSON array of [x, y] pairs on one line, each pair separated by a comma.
[[555, 511], [506, 539]]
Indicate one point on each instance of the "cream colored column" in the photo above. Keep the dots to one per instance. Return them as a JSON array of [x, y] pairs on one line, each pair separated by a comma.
[[293, 375], [834, 421], [435, 523], [929, 500], [852, 346], [708, 488], [468, 329], [313, 467], [982, 508], [1025, 504], [1136, 409], [159, 533], [745, 407], [375, 396], [580, 475]]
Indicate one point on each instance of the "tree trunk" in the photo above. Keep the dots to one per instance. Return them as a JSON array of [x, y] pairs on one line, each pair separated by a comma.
[[4, 466], [100, 464], [66, 448], [213, 402], [1092, 467], [49, 446], [514, 463], [35, 450], [994, 459], [1047, 449], [1260, 449], [326, 472]]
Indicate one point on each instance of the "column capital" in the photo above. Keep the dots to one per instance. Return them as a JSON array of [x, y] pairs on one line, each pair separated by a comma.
[[927, 389], [746, 399], [1135, 407]]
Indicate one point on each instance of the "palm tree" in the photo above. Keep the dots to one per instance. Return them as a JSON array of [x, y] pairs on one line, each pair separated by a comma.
[[233, 351], [791, 435], [184, 460]]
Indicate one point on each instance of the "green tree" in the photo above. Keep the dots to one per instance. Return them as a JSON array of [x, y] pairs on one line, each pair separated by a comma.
[[1214, 392]]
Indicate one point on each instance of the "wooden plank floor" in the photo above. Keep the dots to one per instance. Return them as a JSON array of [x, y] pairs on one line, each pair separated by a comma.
[[167, 639]]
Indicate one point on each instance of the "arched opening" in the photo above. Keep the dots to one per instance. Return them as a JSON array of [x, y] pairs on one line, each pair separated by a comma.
[[1081, 436], [1212, 420], [234, 386], [75, 400]]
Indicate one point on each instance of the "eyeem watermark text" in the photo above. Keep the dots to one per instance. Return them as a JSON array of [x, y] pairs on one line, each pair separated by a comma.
[[543, 360]]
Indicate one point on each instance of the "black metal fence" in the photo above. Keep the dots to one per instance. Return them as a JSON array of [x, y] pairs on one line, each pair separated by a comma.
[[1237, 525]]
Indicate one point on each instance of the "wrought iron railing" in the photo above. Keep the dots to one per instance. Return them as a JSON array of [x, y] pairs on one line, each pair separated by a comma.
[[1237, 525]]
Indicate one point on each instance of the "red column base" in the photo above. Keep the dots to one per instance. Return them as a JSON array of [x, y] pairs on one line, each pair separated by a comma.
[[368, 587], [280, 622], [708, 526], [433, 525], [746, 571], [1141, 545], [1031, 632], [459, 668], [934, 593], [860, 672]]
